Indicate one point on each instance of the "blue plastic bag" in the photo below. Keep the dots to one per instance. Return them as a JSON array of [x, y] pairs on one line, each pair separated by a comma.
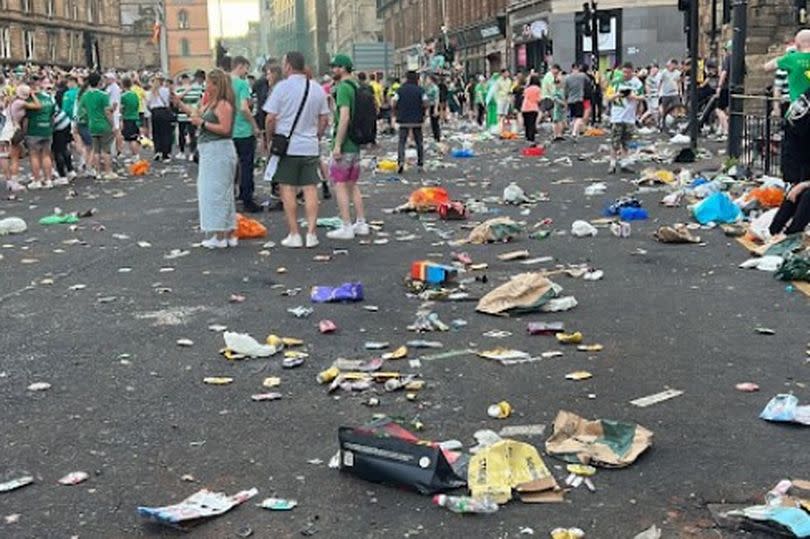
[[462, 153], [335, 294], [633, 214], [718, 208]]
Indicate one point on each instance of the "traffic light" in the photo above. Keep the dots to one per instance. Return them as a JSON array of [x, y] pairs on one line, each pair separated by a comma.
[[684, 5], [583, 20]]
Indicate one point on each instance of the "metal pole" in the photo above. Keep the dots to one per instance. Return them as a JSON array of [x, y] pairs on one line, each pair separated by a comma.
[[767, 143], [694, 32], [594, 37], [164, 40], [739, 20]]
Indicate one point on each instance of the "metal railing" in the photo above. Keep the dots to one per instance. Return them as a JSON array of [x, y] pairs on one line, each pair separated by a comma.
[[762, 134]]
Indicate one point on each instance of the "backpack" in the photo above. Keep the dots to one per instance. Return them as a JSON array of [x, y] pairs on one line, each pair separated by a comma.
[[362, 128]]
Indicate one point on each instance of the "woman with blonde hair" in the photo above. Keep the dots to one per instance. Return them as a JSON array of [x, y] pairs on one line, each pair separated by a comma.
[[218, 160]]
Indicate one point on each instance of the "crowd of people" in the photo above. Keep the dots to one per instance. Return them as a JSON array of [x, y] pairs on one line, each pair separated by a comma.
[[81, 122]]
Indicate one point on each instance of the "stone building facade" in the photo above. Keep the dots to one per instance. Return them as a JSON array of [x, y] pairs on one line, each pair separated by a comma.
[[771, 25], [61, 32], [301, 25], [138, 48], [351, 22]]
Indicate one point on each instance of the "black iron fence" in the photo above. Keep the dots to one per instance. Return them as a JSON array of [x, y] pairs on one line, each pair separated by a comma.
[[762, 133]]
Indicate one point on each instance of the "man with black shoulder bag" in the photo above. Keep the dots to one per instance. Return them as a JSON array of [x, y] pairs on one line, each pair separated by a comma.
[[297, 118]]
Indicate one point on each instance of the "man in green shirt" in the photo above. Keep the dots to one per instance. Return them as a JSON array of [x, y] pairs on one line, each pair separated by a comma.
[[245, 131], [130, 105], [795, 157], [344, 167], [39, 135], [70, 96], [95, 105]]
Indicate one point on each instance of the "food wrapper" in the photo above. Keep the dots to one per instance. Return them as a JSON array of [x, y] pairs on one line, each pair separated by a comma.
[[506, 465]]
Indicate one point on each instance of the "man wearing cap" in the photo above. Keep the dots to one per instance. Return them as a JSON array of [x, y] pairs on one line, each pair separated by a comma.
[[344, 167]]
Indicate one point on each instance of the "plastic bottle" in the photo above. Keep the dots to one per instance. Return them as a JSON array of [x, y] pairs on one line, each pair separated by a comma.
[[465, 504]]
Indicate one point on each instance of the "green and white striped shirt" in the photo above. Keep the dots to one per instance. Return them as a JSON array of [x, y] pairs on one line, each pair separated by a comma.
[[191, 98]]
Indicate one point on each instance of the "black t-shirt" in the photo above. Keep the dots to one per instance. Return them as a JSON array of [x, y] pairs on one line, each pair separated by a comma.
[[442, 92]]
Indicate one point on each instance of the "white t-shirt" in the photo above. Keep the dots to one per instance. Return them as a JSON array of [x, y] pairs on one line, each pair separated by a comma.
[[284, 103], [623, 110], [669, 82]]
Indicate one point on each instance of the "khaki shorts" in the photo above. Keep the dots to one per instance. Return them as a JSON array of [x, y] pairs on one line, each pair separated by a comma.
[[101, 143], [298, 170], [620, 135]]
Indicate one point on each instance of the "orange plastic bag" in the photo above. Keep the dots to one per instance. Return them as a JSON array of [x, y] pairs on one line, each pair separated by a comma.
[[248, 229], [139, 168], [768, 197], [508, 135], [594, 132], [428, 198]]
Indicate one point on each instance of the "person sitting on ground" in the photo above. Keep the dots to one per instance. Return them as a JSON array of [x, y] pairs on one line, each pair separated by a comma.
[[794, 213]]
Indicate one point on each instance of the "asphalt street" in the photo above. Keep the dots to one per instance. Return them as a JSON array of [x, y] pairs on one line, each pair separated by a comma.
[[129, 406]]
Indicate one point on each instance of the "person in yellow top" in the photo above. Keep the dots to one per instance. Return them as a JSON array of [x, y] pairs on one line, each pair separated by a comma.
[[138, 90], [377, 88]]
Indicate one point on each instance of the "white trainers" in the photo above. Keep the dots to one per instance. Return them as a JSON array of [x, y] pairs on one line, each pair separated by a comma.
[[180, 155], [233, 241], [361, 228], [59, 182], [110, 176], [34, 186], [214, 243], [190, 158], [312, 241], [71, 175], [342, 233], [15, 186], [293, 241]]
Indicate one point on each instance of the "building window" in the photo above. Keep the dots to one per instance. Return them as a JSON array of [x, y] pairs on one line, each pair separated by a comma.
[[26, 6], [99, 12], [5, 42], [71, 37], [49, 7], [28, 44], [52, 40], [182, 19], [74, 7], [184, 50]]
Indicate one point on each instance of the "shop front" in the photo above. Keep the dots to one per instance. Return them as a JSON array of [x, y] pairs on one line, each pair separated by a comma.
[[530, 37], [480, 48]]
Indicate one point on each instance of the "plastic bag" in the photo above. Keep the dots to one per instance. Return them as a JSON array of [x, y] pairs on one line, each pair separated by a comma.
[[533, 151], [12, 225], [759, 229], [768, 197], [794, 268], [335, 294], [247, 229], [718, 208], [139, 168], [428, 198], [581, 229], [492, 230]]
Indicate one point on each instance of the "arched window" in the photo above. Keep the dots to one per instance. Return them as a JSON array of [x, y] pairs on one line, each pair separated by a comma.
[[184, 50], [182, 19]]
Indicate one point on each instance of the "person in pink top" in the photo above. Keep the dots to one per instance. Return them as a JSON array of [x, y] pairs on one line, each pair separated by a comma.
[[531, 108]]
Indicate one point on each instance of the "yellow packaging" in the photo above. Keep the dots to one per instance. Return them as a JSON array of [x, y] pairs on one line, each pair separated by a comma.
[[324, 377], [271, 381], [217, 380], [399, 353], [570, 338], [496, 470], [581, 469]]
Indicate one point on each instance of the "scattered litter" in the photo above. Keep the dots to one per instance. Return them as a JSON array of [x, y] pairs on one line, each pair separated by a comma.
[[12, 225], [578, 375], [14, 484], [651, 533], [747, 387], [526, 292], [601, 442], [785, 408], [649, 400], [507, 465], [217, 380], [567, 533], [347, 292], [522, 430], [74, 478], [301, 311], [581, 229], [271, 396], [675, 234], [327, 326], [39, 386], [185, 342], [278, 504], [197, 507], [243, 345], [501, 410]]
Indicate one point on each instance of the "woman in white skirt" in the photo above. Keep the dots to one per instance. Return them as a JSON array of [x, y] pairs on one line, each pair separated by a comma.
[[217, 166]]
